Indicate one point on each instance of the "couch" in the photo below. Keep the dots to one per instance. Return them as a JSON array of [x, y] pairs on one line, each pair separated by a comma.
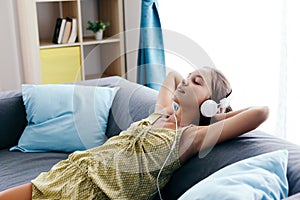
[[132, 102]]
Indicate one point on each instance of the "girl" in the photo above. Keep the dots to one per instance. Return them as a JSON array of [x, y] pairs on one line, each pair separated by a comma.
[[137, 163]]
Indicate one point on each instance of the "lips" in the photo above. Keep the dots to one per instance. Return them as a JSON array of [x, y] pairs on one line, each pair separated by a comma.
[[179, 89]]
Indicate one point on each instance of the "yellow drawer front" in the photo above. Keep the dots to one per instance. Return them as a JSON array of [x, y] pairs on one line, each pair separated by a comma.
[[61, 65]]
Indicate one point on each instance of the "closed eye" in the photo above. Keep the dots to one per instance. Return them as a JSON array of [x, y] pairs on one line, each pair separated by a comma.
[[199, 80]]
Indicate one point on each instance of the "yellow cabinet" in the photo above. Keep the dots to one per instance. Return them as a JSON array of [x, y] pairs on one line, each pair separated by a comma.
[[61, 65]]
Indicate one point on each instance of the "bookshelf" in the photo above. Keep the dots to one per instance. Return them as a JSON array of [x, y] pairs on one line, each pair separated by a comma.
[[86, 58]]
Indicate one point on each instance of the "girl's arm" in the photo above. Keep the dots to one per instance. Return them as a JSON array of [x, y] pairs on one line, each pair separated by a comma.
[[198, 138], [164, 99], [221, 116]]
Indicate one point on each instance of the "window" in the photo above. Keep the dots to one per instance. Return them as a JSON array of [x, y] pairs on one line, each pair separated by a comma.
[[255, 43]]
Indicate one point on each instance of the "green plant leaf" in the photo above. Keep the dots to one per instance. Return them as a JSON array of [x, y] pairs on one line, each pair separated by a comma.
[[97, 25]]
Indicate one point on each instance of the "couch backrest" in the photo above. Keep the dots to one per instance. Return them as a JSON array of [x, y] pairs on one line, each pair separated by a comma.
[[132, 102]]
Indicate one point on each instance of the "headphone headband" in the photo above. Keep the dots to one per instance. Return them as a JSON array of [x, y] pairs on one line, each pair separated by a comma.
[[224, 103], [229, 93]]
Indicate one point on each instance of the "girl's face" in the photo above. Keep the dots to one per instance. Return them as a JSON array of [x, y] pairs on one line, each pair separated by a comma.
[[194, 90]]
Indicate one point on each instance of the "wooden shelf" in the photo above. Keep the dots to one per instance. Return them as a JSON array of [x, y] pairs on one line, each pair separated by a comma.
[[86, 41], [91, 40], [37, 20], [49, 44]]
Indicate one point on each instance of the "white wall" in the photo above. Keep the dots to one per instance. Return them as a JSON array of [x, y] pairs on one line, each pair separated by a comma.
[[132, 24], [11, 75]]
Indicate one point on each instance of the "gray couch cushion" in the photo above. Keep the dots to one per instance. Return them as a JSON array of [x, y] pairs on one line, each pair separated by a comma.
[[17, 168]]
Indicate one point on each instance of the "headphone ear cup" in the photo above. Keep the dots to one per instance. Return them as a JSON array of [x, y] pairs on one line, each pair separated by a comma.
[[209, 108]]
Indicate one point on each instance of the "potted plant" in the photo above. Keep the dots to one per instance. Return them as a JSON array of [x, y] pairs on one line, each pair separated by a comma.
[[97, 27]]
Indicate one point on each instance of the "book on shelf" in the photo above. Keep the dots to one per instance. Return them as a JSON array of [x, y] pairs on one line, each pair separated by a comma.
[[61, 31], [56, 30], [67, 30], [73, 34]]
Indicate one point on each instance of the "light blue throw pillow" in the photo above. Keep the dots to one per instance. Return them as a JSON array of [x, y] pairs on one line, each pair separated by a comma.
[[259, 177], [64, 117]]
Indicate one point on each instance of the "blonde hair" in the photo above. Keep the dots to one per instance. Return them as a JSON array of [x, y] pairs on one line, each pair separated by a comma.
[[220, 88]]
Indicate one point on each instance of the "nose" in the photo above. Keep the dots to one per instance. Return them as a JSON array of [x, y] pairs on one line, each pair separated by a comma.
[[184, 82]]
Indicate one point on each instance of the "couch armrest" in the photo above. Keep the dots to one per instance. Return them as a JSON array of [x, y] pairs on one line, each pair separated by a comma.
[[12, 118]]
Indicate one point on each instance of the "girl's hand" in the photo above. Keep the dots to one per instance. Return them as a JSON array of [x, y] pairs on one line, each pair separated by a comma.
[[164, 100], [219, 117]]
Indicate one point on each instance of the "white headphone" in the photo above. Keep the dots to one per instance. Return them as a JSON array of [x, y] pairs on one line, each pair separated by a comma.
[[210, 108]]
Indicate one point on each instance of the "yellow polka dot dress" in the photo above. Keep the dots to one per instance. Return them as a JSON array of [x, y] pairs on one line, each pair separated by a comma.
[[125, 167]]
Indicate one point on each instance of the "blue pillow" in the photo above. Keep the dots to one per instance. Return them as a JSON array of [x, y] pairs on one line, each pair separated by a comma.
[[259, 177], [64, 117]]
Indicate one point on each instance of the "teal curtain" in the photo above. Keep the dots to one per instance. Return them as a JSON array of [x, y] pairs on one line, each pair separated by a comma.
[[151, 70]]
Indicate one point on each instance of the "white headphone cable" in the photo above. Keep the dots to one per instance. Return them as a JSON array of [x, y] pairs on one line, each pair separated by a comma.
[[172, 148]]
